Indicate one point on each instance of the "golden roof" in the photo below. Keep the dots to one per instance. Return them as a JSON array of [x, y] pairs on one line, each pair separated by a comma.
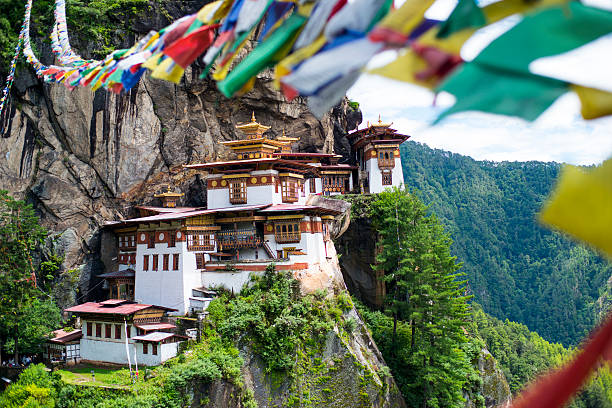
[[380, 123], [168, 193], [253, 129]]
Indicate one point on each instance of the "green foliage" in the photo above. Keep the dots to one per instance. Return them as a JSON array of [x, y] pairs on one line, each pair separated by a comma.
[[97, 21], [26, 320], [425, 300], [523, 355], [35, 388], [275, 317], [515, 268]]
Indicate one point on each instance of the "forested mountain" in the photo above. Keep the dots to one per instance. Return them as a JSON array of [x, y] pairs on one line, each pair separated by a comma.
[[516, 268]]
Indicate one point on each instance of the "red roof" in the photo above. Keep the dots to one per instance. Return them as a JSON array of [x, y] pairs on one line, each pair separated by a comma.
[[124, 309], [61, 336], [297, 207], [155, 326], [306, 154], [167, 209], [181, 215], [241, 162]]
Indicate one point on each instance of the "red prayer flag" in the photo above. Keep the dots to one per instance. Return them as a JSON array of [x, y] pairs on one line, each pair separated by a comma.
[[556, 389], [440, 63], [185, 50], [337, 7]]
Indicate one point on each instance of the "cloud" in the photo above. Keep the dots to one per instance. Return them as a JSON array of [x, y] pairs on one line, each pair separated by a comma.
[[558, 135]]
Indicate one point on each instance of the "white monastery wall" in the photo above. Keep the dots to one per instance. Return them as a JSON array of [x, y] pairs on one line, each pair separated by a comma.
[[104, 350]]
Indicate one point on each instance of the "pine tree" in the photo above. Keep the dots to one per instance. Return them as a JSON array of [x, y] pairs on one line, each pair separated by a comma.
[[424, 290]]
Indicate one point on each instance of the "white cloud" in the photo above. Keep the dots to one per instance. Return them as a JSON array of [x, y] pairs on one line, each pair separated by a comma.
[[558, 135]]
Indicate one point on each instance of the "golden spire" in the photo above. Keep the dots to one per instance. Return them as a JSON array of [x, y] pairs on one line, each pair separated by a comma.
[[253, 117], [380, 123]]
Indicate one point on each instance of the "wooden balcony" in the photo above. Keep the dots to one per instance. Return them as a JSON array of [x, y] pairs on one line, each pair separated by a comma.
[[244, 238]]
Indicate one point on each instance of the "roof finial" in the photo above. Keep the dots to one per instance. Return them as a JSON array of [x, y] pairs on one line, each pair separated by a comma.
[[253, 117], [379, 119]]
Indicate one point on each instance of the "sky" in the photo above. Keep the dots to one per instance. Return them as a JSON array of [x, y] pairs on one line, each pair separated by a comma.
[[560, 134]]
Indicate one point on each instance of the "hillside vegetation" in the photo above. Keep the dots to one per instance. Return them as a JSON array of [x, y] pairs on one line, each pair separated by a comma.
[[515, 268]]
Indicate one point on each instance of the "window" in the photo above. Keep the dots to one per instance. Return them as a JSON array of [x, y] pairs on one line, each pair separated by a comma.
[[154, 349], [289, 189], [201, 241], [98, 329], [118, 331], [387, 179], [200, 261], [237, 191], [129, 331], [172, 239], [107, 330], [175, 262], [336, 184], [89, 329], [287, 232], [145, 263], [166, 262], [155, 262], [312, 185], [151, 240], [145, 348], [386, 158]]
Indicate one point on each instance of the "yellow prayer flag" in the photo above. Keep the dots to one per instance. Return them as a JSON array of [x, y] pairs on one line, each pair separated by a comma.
[[214, 11], [168, 71], [153, 62], [581, 205], [594, 102], [404, 68], [407, 17]]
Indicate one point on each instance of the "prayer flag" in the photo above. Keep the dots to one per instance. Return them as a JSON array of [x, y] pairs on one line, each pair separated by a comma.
[[185, 50], [466, 14], [594, 102], [503, 92], [580, 205], [264, 55]]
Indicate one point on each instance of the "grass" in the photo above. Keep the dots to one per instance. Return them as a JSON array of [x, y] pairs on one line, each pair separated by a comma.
[[104, 376]]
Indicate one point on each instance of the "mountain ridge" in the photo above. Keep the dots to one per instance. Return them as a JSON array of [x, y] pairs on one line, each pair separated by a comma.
[[516, 268]]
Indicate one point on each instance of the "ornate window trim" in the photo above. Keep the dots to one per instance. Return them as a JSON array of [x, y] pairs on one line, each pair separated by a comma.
[[238, 191], [287, 232]]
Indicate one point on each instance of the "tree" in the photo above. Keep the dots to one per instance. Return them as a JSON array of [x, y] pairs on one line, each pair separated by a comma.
[[24, 316], [424, 290]]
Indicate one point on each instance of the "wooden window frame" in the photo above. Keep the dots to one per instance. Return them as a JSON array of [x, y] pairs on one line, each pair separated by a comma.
[[176, 261], [89, 329], [151, 240], [145, 348], [289, 189], [99, 330], [312, 185], [155, 265], [145, 262], [172, 239], [201, 241], [238, 191], [285, 232], [200, 260], [129, 331], [387, 178], [117, 332], [107, 331], [166, 262], [154, 347], [386, 158]]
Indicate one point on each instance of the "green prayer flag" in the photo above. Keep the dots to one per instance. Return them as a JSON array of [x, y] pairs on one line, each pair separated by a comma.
[[466, 14], [503, 92], [548, 32], [266, 54]]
